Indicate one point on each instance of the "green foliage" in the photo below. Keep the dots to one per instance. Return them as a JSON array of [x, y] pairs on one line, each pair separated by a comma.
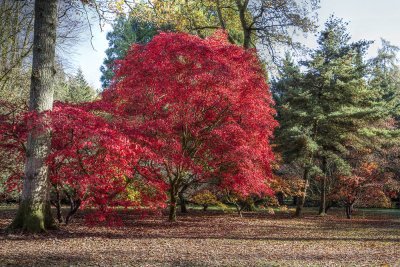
[[326, 110], [77, 89], [385, 77], [126, 31]]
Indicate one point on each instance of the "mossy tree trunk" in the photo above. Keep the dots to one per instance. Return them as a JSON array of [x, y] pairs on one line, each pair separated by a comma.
[[34, 214]]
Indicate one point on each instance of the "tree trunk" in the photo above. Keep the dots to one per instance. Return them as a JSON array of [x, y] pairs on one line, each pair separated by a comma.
[[34, 214], [74, 206], [322, 203], [238, 209], [182, 199], [295, 200], [302, 198], [57, 204], [172, 205], [279, 196], [349, 211]]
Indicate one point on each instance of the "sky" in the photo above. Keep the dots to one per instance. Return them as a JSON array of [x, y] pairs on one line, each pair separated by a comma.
[[368, 19]]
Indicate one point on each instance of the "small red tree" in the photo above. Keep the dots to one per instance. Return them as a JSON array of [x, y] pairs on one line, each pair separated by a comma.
[[365, 186], [203, 106], [90, 161]]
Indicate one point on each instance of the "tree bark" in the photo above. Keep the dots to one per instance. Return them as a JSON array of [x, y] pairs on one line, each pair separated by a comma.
[[349, 211], [74, 206], [34, 214], [302, 198], [238, 209], [182, 199], [57, 204], [322, 203], [172, 204]]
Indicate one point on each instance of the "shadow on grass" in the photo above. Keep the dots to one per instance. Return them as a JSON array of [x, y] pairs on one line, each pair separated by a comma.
[[214, 224]]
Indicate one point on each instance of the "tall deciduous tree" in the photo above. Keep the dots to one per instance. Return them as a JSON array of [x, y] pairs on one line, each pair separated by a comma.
[[269, 23], [34, 211], [34, 214]]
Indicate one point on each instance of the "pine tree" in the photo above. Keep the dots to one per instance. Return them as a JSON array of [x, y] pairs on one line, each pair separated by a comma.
[[342, 106], [385, 77], [327, 110], [78, 90], [126, 31], [294, 138]]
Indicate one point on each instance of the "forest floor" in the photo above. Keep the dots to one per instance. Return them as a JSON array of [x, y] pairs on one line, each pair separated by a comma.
[[212, 238]]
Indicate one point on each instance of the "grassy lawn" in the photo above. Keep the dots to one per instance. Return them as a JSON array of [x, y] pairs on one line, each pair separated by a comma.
[[213, 238]]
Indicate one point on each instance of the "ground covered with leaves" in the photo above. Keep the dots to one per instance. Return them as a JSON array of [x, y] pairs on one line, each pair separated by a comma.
[[213, 238]]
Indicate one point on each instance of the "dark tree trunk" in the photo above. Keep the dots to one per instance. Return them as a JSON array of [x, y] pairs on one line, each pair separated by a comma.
[[279, 196], [57, 204], [34, 214], [302, 198], [242, 7], [74, 206], [295, 200], [322, 203], [172, 204], [182, 199], [205, 207], [329, 205], [349, 211]]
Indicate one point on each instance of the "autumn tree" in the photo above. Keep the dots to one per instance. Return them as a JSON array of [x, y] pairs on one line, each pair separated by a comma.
[[203, 105], [248, 23], [34, 210]]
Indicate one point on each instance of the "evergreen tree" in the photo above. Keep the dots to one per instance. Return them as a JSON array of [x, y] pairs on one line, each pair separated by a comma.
[[126, 31], [326, 111], [294, 138], [77, 89], [385, 77]]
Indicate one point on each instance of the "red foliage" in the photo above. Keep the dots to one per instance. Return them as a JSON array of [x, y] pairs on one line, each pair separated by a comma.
[[13, 135], [89, 158], [180, 106], [365, 187], [203, 105]]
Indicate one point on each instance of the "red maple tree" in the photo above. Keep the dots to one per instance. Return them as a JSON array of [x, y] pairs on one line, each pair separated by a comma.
[[203, 106], [90, 161]]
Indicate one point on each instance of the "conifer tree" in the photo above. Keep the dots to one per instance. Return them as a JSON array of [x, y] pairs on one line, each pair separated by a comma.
[[294, 138], [342, 107], [327, 110], [126, 31], [78, 90], [385, 77]]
